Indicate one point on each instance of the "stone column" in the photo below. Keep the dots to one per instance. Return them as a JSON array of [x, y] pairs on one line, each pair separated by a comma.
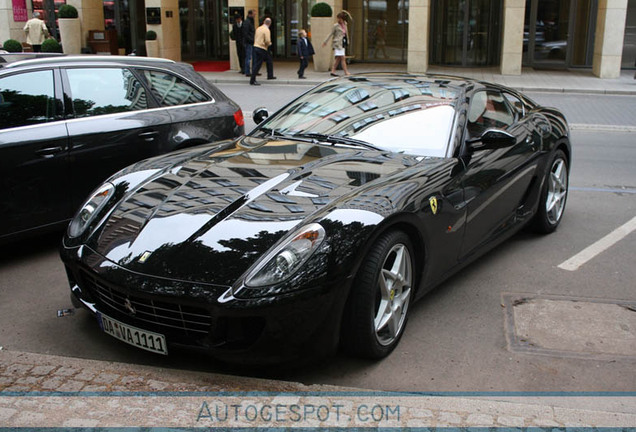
[[169, 31], [512, 44], [419, 25], [608, 42], [91, 16], [10, 29]]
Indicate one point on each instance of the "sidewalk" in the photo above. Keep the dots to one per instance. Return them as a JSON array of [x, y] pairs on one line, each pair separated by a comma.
[[38, 391], [570, 81]]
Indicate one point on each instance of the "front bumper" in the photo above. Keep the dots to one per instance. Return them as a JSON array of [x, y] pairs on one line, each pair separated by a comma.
[[259, 330]]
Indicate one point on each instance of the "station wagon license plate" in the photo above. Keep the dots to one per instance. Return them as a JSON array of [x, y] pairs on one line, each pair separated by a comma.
[[144, 339]]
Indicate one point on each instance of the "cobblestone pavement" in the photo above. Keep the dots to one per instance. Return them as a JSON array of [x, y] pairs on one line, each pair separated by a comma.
[[48, 391]]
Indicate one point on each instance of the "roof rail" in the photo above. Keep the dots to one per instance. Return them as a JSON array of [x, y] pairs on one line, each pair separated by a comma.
[[48, 58]]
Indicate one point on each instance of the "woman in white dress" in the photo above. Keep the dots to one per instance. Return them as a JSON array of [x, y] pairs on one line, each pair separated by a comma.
[[339, 42]]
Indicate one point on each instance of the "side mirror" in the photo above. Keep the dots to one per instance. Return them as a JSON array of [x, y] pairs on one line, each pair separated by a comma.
[[492, 139], [259, 115]]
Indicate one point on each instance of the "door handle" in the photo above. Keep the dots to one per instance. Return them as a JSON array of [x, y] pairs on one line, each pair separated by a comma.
[[148, 136], [49, 152]]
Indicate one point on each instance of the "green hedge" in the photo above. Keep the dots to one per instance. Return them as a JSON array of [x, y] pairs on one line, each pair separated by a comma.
[[151, 35], [12, 45], [67, 11], [51, 46]]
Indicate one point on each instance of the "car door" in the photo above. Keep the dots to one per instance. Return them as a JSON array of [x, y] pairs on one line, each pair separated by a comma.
[[33, 152], [115, 123], [495, 181]]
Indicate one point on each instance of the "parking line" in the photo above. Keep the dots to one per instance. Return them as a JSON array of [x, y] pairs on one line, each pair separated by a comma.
[[600, 246]]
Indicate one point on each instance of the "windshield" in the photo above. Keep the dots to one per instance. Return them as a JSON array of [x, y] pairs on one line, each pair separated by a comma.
[[400, 115]]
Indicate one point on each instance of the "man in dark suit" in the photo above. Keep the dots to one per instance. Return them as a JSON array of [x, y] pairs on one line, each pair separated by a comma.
[[237, 35], [305, 50], [248, 41]]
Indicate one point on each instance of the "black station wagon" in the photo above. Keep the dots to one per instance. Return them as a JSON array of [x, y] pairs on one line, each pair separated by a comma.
[[69, 122]]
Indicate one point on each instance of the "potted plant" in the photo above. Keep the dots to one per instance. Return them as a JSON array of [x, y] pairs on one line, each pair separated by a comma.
[[70, 29], [51, 46], [321, 25], [12, 46], [152, 44]]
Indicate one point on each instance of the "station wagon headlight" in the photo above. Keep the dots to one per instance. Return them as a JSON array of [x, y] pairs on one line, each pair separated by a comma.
[[90, 209], [287, 258]]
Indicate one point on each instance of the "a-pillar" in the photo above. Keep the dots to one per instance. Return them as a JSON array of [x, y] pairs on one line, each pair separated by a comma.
[[608, 42], [90, 14], [419, 19], [512, 46], [169, 31]]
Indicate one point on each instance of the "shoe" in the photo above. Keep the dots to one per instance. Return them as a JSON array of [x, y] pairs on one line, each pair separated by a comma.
[[333, 74], [302, 77], [258, 74], [248, 75], [254, 83], [271, 77]]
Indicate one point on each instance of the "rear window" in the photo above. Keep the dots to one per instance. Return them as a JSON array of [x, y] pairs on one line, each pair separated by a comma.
[[171, 90], [99, 91]]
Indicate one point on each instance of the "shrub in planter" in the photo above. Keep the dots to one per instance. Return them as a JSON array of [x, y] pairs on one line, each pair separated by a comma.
[[12, 45], [52, 46], [321, 10], [67, 11], [151, 35]]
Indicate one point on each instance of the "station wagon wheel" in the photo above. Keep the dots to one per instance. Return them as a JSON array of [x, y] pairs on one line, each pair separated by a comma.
[[554, 195], [379, 304]]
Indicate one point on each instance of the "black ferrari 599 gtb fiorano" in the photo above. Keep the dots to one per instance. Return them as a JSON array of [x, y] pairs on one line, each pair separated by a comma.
[[322, 226]]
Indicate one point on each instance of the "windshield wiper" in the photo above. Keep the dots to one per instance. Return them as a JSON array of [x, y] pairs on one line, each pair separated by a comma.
[[337, 139], [273, 133]]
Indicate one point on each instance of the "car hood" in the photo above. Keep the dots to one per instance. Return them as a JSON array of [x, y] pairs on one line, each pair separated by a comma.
[[209, 217]]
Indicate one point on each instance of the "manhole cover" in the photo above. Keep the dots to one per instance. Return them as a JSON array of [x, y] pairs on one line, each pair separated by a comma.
[[571, 326]]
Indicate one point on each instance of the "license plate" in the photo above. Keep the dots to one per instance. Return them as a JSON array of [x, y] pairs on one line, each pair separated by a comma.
[[144, 339]]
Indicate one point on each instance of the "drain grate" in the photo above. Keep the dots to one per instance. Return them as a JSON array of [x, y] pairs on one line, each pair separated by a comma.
[[570, 326]]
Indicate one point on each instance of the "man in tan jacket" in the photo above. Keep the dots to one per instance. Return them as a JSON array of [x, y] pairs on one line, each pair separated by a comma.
[[36, 32], [262, 41]]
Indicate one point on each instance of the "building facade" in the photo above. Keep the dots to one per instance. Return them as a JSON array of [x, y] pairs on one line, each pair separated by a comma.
[[509, 34]]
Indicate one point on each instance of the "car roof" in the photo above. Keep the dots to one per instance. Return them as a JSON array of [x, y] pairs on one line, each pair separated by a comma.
[[10, 61]]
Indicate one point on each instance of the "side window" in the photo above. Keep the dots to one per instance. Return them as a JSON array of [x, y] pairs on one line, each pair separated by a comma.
[[488, 109], [171, 90], [27, 99], [99, 91], [516, 103]]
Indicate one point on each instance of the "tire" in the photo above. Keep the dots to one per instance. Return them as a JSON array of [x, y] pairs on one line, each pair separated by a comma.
[[553, 196], [378, 306]]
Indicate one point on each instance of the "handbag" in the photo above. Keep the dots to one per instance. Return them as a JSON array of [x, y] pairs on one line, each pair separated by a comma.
[[345, 41]]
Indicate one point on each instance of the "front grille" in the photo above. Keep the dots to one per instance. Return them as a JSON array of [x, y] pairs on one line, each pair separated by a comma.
[[167, 317]]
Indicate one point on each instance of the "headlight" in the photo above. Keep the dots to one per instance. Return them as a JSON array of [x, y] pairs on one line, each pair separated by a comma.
[[90, 209], [287, 258]]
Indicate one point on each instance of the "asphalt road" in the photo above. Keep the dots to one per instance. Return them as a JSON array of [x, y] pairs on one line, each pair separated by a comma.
[[457, 338]]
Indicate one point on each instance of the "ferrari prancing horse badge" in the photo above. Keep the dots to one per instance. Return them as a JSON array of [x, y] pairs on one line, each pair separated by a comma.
[[433, 202]]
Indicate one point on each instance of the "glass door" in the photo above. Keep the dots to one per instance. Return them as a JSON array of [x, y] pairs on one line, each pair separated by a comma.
[[204, 29], [466, 32], [277, 11]]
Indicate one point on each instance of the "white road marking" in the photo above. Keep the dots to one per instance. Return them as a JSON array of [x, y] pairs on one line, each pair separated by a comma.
[[600, 246]]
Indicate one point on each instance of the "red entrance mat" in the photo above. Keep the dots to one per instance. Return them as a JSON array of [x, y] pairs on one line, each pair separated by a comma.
[[211, 66]]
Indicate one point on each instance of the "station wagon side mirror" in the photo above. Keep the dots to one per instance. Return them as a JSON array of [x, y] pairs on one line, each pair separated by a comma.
[[259, 115], [492, 139]]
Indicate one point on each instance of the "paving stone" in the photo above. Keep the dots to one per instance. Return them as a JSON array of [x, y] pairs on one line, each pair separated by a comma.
[[66, 371], [76, 422], [85, 375], [5, 381], [42, 370], [72, 386], [448, 418], [17, 369], [95, 388], [130, 379], [7, 413], [511, 421], [480, 420], [157, 385], [52, 383], [106, 378]]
